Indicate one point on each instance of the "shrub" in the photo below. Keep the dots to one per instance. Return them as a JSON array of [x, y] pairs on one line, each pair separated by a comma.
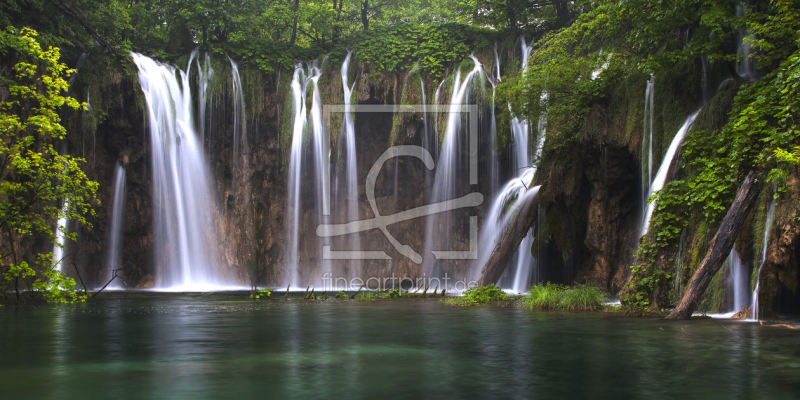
[[341, 295], [478, 296]]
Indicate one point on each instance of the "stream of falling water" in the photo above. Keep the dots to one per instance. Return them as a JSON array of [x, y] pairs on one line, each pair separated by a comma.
[[301, 81], [350, 197], [115, 239], [647, 142], [448, 171], [739, 281], [767, 225], [661, 175], [185, 240]]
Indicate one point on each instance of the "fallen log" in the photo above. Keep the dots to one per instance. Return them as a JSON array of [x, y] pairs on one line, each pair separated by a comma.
[[719, 247], [517, 228]]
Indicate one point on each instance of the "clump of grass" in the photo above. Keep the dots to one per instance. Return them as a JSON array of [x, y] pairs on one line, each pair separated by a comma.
[[581, 298], [543, 296], [341, 295], [478, 296], [366, 296], [551, 296]]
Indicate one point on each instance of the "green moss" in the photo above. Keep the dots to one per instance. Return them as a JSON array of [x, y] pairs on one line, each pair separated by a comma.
[[478, 296]]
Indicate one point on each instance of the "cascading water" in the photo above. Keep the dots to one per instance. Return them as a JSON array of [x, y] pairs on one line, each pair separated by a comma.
[[301, 81], [184, 228], [739, 282], [115, 239], [767, 225], [647, 142], [518, 274], [204, 74], [448, 168], [746, 68], [661, 175], [58, 248], [350, 199]]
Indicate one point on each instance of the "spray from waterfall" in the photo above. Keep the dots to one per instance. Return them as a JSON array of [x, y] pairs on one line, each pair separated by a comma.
[[185, 238], [115, 239], [767, 225]]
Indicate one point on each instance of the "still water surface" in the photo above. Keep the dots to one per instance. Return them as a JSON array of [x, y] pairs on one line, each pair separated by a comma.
[[215, 346]]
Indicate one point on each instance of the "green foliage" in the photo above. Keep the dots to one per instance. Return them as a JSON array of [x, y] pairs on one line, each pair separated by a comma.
[[581, 298], [34, 177], [551, 296], [395, 47], [543, 296], [262, 293], [366, 295], [341, 295], [396, 293], [479, 296]]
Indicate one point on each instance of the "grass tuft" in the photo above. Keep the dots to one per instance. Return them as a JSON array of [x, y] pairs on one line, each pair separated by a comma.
[[551, 296]]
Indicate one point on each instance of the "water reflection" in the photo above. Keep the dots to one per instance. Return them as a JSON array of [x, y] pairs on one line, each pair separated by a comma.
[[222, 346]]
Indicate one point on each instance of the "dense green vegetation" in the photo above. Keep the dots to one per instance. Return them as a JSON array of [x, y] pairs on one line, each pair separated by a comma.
[[478, 296], [34, 177], [551, 296], [584, 52]]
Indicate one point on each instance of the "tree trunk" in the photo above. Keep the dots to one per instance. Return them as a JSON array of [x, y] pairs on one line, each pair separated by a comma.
[[719, 248], [365, 14], [517, 229], [294, 26]]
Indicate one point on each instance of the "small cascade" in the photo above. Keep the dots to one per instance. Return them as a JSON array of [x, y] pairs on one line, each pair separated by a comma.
[[494, 162], [647, 142], [739, 281], [58, 247], [115, 239], [185, 240], [661, 176], [204, 73], [767, 225], [350, 157], [302, 80], [449, 168], [746, 68], [239, 118], [518, 274]]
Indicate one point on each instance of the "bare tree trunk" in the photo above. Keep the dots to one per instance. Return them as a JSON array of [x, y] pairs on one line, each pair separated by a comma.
[[719, 248], [512, 237]]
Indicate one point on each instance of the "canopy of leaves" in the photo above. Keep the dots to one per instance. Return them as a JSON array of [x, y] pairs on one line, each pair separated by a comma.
[[34, 177]]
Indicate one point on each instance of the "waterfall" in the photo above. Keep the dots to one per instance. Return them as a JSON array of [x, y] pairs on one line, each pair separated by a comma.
[[239, 132], [739, 282], [661, 176], [204, 73], [350, 170], [767, 225], [746, 68], [185, 239], [451, 161], [115, 239], [647, 141], [301, 81], [518, 274], [61, 228]]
